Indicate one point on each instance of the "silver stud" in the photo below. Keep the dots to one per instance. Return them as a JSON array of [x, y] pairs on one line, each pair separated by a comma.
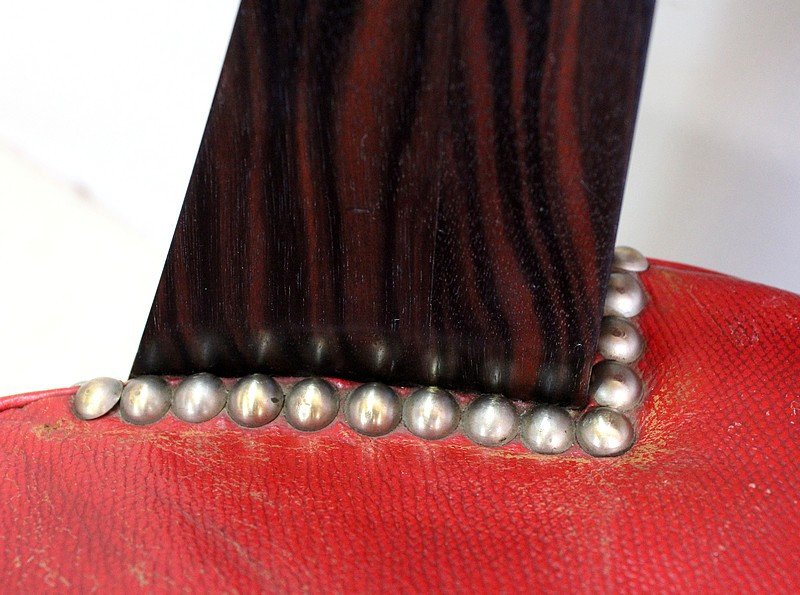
[[629, 259], [431, 413], [145, 400], [615, 385], [624, 296], [373, 409], [603, 432], [490, 420], [547, 429], [619, 340], [311, 405], [255, 401], [199, 398], [96, 397]]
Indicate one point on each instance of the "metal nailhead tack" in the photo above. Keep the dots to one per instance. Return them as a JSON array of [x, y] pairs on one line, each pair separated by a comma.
[[629, 259], [311, 405], [96, 397], [615, 385], [431, 413], [625, 296], [145, 400], [199, 398], [373, 409], [603, 432], [619, 340], [547, 429], [255, 401], [490, 420]]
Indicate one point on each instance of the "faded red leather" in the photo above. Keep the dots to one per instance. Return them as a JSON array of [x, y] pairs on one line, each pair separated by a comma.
[[706, 500]]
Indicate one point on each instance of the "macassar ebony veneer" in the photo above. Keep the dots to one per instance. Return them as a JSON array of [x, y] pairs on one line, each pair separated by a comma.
[[412, 192]]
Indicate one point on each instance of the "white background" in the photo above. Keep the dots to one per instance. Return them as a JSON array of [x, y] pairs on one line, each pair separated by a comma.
[[102, 106]]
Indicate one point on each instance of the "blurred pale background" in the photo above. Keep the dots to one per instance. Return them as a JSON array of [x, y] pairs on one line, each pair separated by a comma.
[[102, 106]]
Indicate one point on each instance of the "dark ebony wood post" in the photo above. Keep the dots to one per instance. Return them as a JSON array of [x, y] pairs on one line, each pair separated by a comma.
[[416, 192]]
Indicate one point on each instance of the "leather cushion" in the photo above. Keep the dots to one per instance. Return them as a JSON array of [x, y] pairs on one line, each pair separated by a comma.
[[706, 499]]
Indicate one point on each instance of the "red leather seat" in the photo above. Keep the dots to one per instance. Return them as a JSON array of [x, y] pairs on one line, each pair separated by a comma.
[[707, 499]]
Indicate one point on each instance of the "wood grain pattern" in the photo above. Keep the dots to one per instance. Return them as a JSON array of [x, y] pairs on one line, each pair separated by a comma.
[[416, 192]]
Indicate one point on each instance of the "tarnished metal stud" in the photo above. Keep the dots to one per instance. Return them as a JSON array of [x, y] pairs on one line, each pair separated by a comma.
[[624, 296], [255, 401], [199, 398], [547, 429], [603, 432], [373, 409], [145, 400], [490, 420], [311, 405], [619, 340], [615, 385], [96, 397], [431, 413], [629, 259]]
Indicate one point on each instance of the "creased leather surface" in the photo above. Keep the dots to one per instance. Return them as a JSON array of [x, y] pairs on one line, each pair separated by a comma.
[[706, 500]]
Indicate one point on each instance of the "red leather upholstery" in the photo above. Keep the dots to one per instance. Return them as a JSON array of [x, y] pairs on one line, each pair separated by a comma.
[[708, 498]]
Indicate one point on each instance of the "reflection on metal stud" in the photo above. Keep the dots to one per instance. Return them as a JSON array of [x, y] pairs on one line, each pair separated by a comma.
[[490, 420], [431, 413], [145, 400], [624, 296], [255, 401], [96, 397], [629, 259], [547, 429], [615, 385], [199, 398], [372, 409], [619, 340], [603, 432], [311, 405]]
